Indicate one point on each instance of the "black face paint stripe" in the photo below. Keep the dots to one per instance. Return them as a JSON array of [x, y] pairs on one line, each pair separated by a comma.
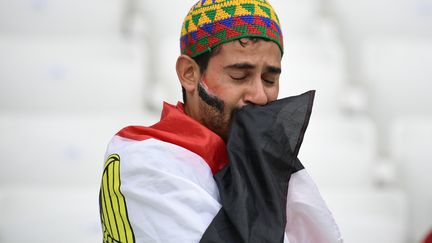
[[211, 100]]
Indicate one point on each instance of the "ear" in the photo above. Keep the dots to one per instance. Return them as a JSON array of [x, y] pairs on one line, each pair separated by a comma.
[[188, 73]]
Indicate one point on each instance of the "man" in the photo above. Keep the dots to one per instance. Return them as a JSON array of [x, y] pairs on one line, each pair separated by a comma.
[[170, 182]]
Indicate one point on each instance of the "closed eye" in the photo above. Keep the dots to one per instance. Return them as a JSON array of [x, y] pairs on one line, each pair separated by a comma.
[[270, 79], [239, 77]]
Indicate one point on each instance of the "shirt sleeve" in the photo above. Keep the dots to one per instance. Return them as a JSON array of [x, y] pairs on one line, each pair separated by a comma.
[[153, 191]]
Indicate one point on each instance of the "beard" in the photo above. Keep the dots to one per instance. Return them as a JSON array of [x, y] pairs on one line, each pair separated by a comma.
[[216, 116]]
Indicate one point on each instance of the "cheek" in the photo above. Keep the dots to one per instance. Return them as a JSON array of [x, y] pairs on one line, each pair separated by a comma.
[[216, 87], [272, 94], [229, 95], [210, 86]]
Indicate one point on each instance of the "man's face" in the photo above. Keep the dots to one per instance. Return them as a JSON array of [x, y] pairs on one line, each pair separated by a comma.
[[238, 74]]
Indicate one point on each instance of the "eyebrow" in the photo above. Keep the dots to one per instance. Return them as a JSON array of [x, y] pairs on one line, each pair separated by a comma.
[[241, 66], [273, 69], [247, 66]]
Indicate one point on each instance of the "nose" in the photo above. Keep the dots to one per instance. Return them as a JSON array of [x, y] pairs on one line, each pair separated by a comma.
[[256, 94]]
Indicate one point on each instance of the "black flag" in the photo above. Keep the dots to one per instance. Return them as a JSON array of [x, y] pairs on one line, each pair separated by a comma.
[[263, 145]]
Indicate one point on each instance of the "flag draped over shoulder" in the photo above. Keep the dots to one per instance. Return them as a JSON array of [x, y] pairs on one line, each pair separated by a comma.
[[263, 145], [167, 184]]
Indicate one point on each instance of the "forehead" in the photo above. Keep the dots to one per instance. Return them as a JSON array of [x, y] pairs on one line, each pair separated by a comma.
[[248, 51]]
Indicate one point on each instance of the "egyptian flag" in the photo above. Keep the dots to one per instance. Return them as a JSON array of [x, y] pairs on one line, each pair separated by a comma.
[[172, 182], [266, 194]]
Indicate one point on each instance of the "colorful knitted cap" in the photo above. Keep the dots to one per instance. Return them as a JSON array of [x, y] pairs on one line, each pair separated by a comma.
[[213, 22]]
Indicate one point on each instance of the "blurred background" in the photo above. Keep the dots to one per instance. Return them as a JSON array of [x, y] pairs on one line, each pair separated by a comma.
[[72, 73]]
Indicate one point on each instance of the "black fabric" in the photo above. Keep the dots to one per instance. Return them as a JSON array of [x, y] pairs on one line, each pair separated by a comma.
[[263, 145]]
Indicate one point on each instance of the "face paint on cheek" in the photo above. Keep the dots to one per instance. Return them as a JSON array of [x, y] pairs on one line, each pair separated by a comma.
[[211, 100]]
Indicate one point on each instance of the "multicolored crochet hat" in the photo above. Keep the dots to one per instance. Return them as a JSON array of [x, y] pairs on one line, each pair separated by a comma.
[[213, 22]]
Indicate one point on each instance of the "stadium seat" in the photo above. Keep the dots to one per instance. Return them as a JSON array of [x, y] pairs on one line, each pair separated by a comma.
[[395, 68], [339, 152], [168, 86], [411, 143], [71, 74], [60, 17], [315, 62], [298, 16], [49, 214], [369, 215], [361, 19], [168, 16], [59, 149]]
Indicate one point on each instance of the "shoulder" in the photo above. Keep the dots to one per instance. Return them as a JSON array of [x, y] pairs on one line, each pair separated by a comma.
[[152, 159]]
